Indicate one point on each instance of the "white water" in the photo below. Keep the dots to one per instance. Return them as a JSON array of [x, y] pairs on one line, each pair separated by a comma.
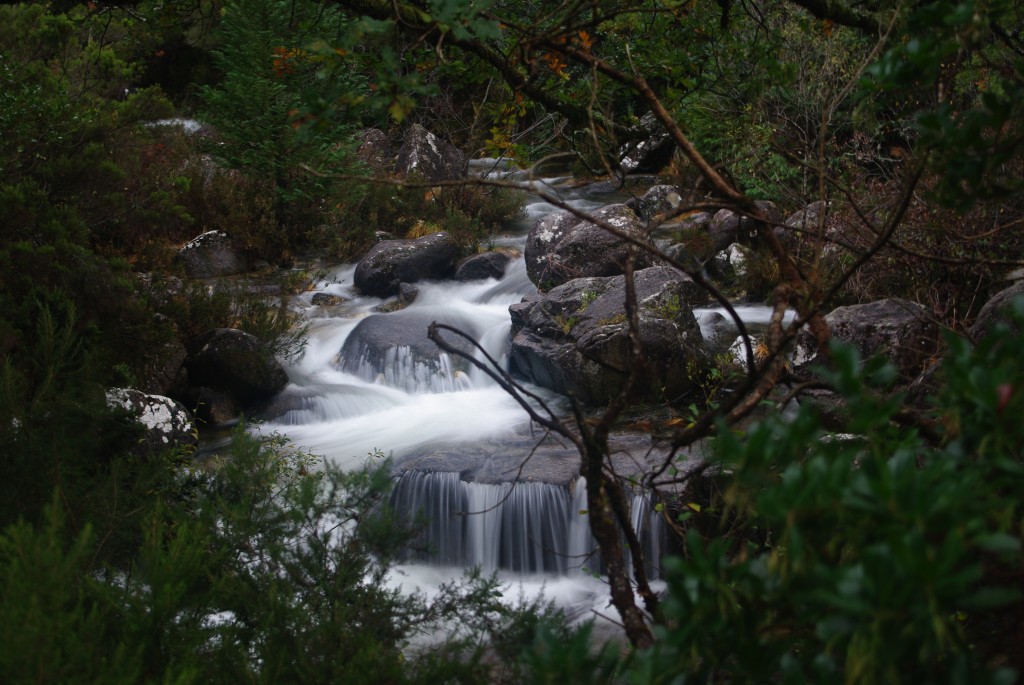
[[534, 535]]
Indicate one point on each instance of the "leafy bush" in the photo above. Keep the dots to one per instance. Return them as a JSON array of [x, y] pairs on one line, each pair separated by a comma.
[[880, 556], [264, 566], [198, 308], [471, 214]]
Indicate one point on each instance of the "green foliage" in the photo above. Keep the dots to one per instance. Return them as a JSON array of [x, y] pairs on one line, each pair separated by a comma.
[[971, 129], [51, 630], [73, 198], [264, 566], [199, 308], [880, 557], [267, 70], [58, 437]]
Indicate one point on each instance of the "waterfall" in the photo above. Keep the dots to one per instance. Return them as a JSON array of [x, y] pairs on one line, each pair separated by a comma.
[[371, 380], [522, 527], [401, 369]]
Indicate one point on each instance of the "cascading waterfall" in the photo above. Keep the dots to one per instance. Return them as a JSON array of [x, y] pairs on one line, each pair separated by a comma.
[[400, 369], [346, 401], [523, 527]]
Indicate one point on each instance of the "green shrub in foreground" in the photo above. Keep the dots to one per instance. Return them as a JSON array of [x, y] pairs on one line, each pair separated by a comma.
[[889, 558], [265, 569]]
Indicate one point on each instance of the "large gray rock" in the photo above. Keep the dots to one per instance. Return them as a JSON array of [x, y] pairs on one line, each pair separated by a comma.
[[236, 363], [651, 152], [900, 330], [808, 219], [394, 349], [575, 338], [211, 254], [424, 154], [561, 247], [482, 266], [660, 200], [166, 424], [997, 310], [728, 227], [392, 262]]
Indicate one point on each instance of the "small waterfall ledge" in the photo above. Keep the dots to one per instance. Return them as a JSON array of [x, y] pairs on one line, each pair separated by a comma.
[[525, 527]]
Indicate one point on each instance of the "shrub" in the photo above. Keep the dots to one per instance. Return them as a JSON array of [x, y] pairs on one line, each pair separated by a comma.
[[875, 557], [262, 566]]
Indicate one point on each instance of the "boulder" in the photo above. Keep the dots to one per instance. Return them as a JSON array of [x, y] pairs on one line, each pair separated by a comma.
[[394, 349], [424, 154], [210, 255], [997, 310], [481, 266], [211, 407], [561, 247], [730, 265], [651, 152], [809, 218], [724, 229], [166, 423], [900, 330], [525, 456], [575, 338], [327, 300], [658, 201], [727, 227], [391, 262], [407, 294], [236, 363]]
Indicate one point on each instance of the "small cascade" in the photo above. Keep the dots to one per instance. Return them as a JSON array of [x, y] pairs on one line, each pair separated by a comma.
[[400, 368], [523, 527]]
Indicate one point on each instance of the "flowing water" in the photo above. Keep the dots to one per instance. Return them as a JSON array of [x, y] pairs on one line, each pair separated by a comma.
[[457, 440]]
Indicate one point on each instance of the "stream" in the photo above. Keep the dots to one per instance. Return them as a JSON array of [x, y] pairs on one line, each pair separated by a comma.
[[456, 439]]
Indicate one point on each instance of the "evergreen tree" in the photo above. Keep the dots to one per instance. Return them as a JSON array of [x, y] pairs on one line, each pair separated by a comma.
[[269, 73]]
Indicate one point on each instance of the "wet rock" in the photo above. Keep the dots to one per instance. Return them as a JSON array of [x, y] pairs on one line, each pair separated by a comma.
[[327, 300], [561, 247], [651, 153], [211, 254], [394, 349], [600, 190], [482, 266], [407, 294], [426, 155], [392, 262], [661, 200], [900, 330], [575, 339], [727, 227], [527, 457], [167, 424], [236, 363], [997, 311], [211, 407]]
